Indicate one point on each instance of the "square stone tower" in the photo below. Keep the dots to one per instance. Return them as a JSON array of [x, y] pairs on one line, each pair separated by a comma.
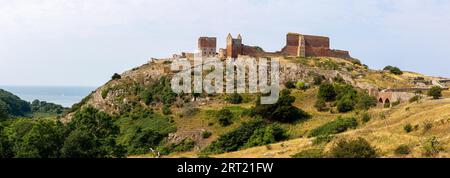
[[207, 46]]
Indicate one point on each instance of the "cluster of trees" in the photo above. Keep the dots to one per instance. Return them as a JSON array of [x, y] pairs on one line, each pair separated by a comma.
[[11, 105], [282, 111], [91, 134], [249, 134], [159, 91], [344, 97], [45, 107]]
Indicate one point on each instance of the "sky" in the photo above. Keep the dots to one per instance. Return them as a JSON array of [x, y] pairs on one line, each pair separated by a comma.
[[83, 42]]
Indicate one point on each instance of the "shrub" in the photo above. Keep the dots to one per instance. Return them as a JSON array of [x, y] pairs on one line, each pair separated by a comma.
[[301, 85], [431, 147], [365, 117], [234, 98], [427, 126], [206, 134], [408, 128], [321, 105], [345, 104], [310, 153], [435, 92], [224, 116], [166, 110], [393, 70], [105, 93], [323, 139], [396, 103], [116, 76], [337, 126], [357, 148], [318, 79], [414, 99], [365, 101], [402, 150], [289, 84], [327, 92], [266, 135], [387, 105]]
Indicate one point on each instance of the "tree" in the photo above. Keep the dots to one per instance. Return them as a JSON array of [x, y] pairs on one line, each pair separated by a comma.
[[327, 92], [90, 123], [435, 92], [321, 105], [365, 101], [116, 76], [282, 111], [393, 70], [5, 145]]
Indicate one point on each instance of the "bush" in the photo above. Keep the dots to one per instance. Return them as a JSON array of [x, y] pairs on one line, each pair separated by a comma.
[[318, 79], [414, 99], [323, 139], [402, 150], [393, 70], [116, 76], [387, 105], [365, 101], [365, 117], [224, 116], [282, 111], [266, 135], [301, 85], [345, 104], [234, 98], [166, 110], [206, 134], [408, 128], [321, 105], [327, 92], [289, 84], [158, 91], [396, 103], [431, 147], [435, 92], [310, 153], [337, 126], [358, 148], [48, 108]]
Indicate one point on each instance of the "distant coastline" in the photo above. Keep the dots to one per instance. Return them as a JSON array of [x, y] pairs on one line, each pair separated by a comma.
[[63, 95]]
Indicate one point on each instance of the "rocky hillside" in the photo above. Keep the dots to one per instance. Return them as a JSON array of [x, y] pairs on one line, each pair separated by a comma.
[[200, 121]]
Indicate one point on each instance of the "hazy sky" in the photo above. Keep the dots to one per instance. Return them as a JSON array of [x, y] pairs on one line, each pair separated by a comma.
[[83, 42]]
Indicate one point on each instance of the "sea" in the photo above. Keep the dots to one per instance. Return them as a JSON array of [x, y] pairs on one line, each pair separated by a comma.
[[62, 95]]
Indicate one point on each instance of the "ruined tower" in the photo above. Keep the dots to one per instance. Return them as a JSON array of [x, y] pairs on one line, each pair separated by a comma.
[[234, 46], [207, 45], [299, 45]]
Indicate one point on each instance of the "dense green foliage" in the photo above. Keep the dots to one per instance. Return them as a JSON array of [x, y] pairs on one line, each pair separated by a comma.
[[357, 148], [336, 126], [92, 134], [435, 92], [116, 76], [393, 70], [11, 105], [44, 107], [282, 111], [224, 116], [159, 91], [345, 96], [184, 145], [142, 129], [289, 84], [252, 133]]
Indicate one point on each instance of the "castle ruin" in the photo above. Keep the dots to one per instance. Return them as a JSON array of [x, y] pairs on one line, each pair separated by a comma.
[[297, 45]]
